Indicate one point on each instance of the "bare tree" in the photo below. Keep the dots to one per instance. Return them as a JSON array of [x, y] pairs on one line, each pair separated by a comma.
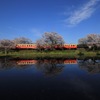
[[6, 45], [50, 40]]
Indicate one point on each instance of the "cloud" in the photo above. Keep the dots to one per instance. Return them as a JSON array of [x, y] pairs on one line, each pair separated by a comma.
[[84, 12]]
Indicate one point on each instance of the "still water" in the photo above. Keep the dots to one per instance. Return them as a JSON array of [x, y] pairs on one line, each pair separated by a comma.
[[54, 79]]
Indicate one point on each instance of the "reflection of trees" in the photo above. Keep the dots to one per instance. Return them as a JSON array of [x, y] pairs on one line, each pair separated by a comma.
[[50, 67], [91, 65], [6, 63]]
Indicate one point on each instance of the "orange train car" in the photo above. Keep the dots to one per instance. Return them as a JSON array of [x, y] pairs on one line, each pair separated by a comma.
[[70, 46], [26, 46]]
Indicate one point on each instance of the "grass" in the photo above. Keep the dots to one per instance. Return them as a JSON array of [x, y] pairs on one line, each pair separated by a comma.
[[50, 54]]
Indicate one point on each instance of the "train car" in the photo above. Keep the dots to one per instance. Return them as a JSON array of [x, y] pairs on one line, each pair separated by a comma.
[[26, 46], [70, 46], [34, 46]]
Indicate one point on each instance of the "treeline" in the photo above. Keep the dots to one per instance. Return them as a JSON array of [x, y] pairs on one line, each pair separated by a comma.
[[50, 40]]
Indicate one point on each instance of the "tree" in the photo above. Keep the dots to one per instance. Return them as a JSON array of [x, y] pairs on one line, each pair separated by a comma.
[[22, 40], [40, 44], [50, 40], [82, 41], [91, 40], [6, 45]]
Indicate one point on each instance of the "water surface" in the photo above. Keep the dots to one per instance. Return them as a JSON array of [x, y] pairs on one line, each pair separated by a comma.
[[54, 79]]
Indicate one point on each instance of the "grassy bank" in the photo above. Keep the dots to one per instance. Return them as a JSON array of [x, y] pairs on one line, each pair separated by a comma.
[[51, 54]]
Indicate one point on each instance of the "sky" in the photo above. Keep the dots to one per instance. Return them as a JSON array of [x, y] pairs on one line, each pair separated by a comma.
[[72, 19]]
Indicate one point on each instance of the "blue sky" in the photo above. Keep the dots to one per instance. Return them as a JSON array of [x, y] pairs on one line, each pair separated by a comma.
[[72, 19]]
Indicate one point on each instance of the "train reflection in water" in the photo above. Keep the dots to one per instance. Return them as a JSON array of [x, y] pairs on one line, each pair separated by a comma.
[[47, 66], [51, 66], [26, 62], [30, 62]]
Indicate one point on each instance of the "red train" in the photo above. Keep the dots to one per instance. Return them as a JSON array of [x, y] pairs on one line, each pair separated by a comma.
[[34, 46]]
